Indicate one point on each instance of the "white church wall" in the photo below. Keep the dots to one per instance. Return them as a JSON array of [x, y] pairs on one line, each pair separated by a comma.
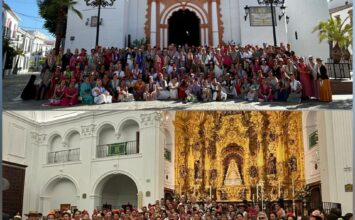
[[231, 21], [335, 155], [303, 18], [89, 172], [259, 35], [311, 158], [111, 31], [137, 17]]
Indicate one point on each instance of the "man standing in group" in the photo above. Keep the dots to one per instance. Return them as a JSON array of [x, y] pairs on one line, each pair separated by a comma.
[[66, 59]]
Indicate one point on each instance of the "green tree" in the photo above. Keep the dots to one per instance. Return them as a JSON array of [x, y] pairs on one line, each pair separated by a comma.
[[337, 33], [55, 13]]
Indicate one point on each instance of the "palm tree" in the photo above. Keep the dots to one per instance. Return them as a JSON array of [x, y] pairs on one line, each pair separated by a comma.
[[337, 33], [55, 14]]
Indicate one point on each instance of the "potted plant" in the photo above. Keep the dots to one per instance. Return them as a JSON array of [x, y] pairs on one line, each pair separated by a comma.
[[339, 36]]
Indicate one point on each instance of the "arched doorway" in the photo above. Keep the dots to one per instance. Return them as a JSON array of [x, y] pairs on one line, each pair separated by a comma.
[[59, 191], [117, 191], [184, 28]]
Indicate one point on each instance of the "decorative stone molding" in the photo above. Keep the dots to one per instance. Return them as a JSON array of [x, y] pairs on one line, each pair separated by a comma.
[[87, 131], [148, 120], [38, 138]]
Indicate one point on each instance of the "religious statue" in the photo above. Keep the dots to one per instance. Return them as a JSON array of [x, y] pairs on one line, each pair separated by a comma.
[[292, 164], [232, 176], [272, 164], [182, 171], [196, 169], [213, 174]]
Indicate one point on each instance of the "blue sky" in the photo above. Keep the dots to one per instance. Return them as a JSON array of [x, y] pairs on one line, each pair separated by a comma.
[[27, 10]]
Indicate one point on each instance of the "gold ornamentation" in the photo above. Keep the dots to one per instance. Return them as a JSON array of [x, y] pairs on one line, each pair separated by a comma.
[[215, 139]]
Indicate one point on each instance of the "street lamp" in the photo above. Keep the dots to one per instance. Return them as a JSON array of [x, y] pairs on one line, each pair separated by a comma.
[[272, 3], [99, 4]]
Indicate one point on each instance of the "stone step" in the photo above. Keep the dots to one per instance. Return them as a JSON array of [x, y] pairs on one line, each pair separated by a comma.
[[341, 87]]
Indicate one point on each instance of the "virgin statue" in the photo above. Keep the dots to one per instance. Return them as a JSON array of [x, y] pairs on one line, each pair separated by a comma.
[[232, 176]]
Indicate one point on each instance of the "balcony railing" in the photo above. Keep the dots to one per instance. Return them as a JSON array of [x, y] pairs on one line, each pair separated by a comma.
[[124, 148], [339, 70], [64, 156]]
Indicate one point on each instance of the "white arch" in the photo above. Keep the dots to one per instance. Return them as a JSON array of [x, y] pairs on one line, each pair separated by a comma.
[[102, 125], [123, 122], [175, 7], [99, 183], [69, 132], [55, 178], [52, 135]]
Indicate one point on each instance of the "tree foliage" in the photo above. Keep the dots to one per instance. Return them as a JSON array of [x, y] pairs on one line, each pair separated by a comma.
[[55, 13], [335, 30]]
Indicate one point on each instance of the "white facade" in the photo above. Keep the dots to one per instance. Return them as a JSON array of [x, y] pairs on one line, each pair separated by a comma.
[[69, 161], [67, 165], [332, 154], [41, 47], [130, 17], [9, 23]]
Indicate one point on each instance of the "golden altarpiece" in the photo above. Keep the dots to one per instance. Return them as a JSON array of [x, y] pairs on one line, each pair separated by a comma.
[[229, 155]]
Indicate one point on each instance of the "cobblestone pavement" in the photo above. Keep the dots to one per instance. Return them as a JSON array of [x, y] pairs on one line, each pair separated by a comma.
[[13, 86]]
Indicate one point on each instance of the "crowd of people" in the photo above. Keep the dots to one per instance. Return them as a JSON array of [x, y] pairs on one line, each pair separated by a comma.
[[189, 74], [185, 209]]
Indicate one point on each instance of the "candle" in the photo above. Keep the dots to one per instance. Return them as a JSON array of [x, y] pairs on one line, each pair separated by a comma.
[[279, 190], [253, 196], [293, 188], [180, 191], [262, 199], [211, 192], [257, 193]]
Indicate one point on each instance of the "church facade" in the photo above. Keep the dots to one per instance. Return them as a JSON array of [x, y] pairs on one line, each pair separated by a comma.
[[199, 22], [91, 159]]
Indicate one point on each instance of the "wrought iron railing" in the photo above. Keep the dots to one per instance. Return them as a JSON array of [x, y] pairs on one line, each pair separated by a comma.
[[64, 156], [339, 70], [116, 149]]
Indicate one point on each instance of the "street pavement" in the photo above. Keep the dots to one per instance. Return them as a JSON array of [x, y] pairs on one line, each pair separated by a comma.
[[14, 84]]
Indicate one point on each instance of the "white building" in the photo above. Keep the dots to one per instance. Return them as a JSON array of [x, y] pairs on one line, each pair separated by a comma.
[[41, 47], [88, 159], [35, 45], [208, 22]]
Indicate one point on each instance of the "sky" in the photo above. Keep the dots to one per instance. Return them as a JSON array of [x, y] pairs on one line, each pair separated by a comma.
[[27, 10]]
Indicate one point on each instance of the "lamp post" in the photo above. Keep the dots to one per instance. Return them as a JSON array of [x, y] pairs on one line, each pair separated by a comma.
[[272, 3], [99, 4]]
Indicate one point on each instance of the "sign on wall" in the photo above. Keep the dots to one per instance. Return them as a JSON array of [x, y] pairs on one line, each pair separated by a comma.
[[348, 187], [313, 139], [261, 16]]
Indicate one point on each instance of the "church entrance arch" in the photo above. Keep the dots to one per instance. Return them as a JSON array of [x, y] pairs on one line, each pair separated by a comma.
[[116, 191], [184, 28]]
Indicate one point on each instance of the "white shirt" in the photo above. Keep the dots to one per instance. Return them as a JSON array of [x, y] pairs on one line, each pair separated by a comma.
[[295, 85]]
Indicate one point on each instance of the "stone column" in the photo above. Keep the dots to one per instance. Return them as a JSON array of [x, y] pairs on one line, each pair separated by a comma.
[[215, 33], [153, 24]]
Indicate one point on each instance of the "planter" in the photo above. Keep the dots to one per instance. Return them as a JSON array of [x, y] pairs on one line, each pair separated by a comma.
[[346, 54], [336, 54]]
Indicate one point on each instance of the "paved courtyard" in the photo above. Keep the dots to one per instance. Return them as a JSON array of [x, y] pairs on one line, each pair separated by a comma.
[[14, 84]]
